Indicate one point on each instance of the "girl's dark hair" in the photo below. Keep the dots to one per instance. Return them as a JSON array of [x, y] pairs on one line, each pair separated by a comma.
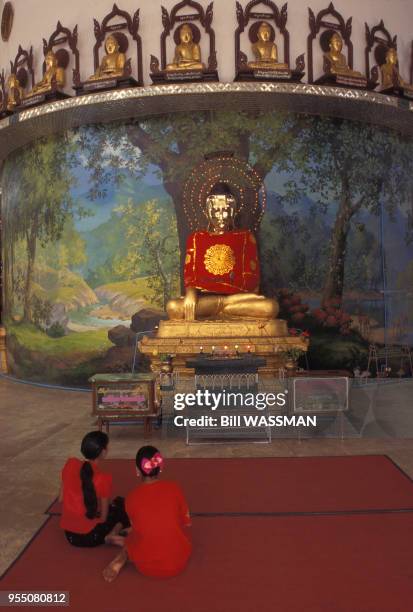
[[147, 452], [92, 445]]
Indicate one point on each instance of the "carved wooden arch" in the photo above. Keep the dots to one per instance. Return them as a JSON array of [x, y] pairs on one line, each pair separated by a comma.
[[316, 23], [60, 36], [373, 39], [131, 24], [204, 17], [278, 16], [24, 58]]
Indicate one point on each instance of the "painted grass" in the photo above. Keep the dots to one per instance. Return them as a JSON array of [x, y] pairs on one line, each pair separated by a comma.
[[88, 343]]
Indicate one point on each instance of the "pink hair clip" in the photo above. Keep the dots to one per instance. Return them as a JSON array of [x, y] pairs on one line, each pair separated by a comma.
[[148, 465]]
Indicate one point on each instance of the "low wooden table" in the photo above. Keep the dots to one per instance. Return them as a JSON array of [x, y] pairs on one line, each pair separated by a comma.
[[124, 398]]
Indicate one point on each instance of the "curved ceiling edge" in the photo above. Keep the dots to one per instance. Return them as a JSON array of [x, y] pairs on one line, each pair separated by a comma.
[[359, 105]]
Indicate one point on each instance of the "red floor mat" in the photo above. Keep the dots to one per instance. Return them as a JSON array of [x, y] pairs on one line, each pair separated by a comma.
[[280, 484], [285, 564]]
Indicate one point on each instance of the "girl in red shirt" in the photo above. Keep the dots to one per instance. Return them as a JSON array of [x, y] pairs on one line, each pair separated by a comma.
[[87, 517], [157, 543]]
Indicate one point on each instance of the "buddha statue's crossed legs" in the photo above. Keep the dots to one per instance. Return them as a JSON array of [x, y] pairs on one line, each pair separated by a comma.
[[240, 305]]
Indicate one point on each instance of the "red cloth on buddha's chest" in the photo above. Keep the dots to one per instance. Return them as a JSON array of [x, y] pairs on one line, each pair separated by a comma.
[[222, 263]]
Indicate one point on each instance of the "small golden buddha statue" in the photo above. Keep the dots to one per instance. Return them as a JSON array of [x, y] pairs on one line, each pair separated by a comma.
[[187, 53], [52, 73], [390, 75], [336, 60], [15, 93], [265, 51], [113, 63], [221, 270]]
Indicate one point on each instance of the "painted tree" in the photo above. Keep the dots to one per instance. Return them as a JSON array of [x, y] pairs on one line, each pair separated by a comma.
[[67, 252], [43, 201], [10, 186], [173, 145], [350, 166], [152, 247]]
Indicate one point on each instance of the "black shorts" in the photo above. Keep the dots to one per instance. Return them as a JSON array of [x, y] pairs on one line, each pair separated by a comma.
[[96, 537]]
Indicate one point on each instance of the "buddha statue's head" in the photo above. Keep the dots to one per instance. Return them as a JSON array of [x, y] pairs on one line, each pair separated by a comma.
[[391, 56], [50, 60], [336, 43], [264, 32], [111, 45], [185, 34], [221, 208]]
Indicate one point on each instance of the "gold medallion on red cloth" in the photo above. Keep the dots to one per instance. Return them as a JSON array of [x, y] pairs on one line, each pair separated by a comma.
[[219, 259], [222, 263]]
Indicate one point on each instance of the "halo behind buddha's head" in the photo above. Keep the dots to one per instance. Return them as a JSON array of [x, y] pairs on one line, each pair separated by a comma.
[[223, 173], [253, 31], [221, 188], [381, 53], [196, 34], [326, 37]]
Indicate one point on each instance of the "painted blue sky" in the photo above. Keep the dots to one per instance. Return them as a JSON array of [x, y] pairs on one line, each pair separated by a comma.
[[139, 190]]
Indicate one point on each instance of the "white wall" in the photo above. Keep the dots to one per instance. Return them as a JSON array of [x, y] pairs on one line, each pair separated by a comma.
[[35, 19]]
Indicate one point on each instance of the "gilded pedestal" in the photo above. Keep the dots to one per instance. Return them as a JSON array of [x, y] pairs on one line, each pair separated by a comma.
[[186, 339]]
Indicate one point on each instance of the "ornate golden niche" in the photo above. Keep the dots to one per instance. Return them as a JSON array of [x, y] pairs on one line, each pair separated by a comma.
[[383, 47], [335, 35], [21, 76], [114, 70], [186, 29], [58, 51], [262, 33]]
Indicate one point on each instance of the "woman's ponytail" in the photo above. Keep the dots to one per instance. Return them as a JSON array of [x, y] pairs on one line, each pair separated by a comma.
[[89, 493], [92, 446]]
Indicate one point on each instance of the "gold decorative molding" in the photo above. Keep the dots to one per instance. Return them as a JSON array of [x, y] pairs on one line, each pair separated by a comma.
[[54, 117]]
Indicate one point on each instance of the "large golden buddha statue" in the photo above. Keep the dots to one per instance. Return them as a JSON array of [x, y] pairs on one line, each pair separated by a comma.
[[221, 311], [113, 63], [336, 60], [187, 53], [390, 75], [265, 50], [52, 75], [221, 271], [15, 92]]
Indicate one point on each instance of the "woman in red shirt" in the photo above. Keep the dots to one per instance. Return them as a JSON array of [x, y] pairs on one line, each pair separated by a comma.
[[157, 543], [87, 517]]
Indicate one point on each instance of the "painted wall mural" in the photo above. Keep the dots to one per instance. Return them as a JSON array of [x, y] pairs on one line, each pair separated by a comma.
[[95, 228]]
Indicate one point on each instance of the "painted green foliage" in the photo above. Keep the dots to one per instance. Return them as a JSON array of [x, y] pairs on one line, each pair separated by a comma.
[[151, 234], [358, 167], [42, 206], [327, 182]]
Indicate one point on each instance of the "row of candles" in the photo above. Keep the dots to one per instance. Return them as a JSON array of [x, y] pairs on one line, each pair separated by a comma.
[[225, 349]]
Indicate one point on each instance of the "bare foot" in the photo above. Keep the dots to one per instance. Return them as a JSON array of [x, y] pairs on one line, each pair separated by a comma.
[[112, 570]]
